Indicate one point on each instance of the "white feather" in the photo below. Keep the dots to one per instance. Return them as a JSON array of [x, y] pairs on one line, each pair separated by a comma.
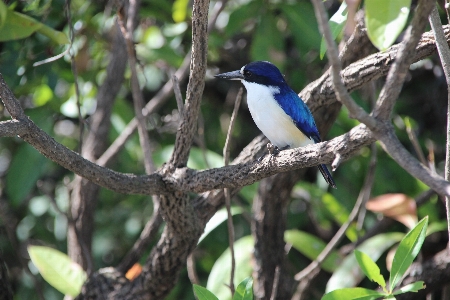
[[271, 119]]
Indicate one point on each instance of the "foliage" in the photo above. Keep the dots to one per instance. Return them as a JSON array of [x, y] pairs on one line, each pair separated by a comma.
[[406, 252], [37, 191], [244, 291]]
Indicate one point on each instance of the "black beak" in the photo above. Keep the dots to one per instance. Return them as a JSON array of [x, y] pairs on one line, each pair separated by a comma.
[[235, 75]]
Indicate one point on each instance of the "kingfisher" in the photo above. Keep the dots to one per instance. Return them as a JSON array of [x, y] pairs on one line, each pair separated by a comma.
[[277, 110]]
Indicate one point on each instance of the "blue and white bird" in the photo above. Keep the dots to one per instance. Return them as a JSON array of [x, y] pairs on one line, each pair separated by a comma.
[[277, 110]]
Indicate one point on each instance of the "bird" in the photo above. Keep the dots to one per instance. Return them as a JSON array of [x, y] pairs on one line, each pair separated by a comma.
[[277, 110]]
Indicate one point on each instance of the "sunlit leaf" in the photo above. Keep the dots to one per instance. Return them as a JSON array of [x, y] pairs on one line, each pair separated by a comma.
[[3, 13], [179, 10], [203, 294], [244, 290], [407, 251], [42, 94], [58, 269], [353, 294], [412, 287], [370, 268], [349, 274], [385, 20], [311, 246], [219, 276]]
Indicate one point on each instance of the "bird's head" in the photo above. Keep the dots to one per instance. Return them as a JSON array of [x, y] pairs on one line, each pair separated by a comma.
[[260, 72]]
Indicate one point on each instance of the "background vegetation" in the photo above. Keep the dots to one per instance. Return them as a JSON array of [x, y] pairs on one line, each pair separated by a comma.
[[36, 193]]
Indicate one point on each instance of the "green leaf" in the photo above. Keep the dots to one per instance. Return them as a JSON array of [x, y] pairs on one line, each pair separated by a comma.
[[385, 20], [268, 43], [348, 274], [203, 294], [3, 13], [219, 217], [244, 290], [219, 276], [42, 94], [58, 269], [412, 287], [311, 246], [407, 251], [353, 294], [337, 24], [18, 26], [179, 10], [370, 268], [56, 36], [241, 16], [301, 20]]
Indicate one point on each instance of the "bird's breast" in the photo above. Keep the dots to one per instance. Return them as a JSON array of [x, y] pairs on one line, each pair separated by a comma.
[[270, 117]]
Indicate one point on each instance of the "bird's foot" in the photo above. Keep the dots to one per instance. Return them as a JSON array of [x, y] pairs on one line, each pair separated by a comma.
[[273, 151]]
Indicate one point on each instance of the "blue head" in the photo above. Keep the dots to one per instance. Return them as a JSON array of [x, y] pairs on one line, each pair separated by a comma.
[[260, 72]]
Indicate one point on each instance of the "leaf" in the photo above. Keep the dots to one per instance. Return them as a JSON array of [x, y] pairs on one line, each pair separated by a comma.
[[241, 16], [397, 206], [219, 276], [179, 10], [353, 294], [268, 43], [412, 287], [385, 20], [18, 26], [3, 13], [301, 20], [337, 24], [219, 217], [42, 94], [407, 251], [28, 164], [58, 269], [370, 268], [348, 274], [244, 290], [311, 246], [56, 36], [203, 294]]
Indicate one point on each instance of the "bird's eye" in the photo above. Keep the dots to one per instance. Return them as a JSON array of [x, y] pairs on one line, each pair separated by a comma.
[[247, 73]]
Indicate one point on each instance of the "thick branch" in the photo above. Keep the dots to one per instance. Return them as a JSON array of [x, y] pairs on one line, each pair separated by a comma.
[[185, 133]]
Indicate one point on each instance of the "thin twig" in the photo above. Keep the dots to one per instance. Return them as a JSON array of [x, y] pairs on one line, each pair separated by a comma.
[[226, 154], [75, 74], [444, 54], [138, 99], [414, 141], [362, 198], [276, 281], [355, 111], [192, 273]]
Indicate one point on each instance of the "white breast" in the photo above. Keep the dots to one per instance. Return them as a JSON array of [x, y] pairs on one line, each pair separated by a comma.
[[271, 119]]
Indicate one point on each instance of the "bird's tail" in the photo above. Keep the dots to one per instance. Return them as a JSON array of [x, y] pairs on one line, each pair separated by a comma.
[[326, 175]]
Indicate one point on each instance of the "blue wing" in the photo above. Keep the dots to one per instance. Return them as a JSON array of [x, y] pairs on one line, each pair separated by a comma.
[[299, 112]]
